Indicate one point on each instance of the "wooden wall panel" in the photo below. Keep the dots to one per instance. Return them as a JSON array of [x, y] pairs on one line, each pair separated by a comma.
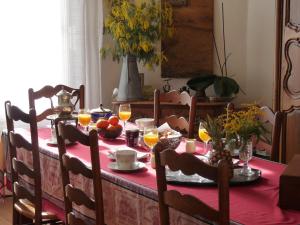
[[190, 51]]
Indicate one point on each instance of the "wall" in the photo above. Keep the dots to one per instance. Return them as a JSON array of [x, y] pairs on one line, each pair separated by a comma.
[[250, 37]]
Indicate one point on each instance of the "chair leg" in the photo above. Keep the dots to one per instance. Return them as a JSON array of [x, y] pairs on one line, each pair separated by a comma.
[[15, 218]]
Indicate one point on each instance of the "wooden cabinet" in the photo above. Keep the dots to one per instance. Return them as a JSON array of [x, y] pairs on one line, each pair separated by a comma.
[[142, 109]]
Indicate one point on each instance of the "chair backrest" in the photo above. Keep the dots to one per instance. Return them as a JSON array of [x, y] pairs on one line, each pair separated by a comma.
[[189, 164], [49, 92], [175, 97], [275, 120], [16, 142], [74, 165]]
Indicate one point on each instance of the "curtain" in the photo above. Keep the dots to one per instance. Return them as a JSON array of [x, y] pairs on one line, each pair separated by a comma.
[[47, 43], [81, 47]]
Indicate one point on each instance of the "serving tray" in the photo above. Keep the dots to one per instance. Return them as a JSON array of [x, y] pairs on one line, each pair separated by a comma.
[[178, 177]]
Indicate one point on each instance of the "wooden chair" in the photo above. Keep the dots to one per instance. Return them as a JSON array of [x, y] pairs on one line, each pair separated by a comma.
[[175, 97], [273, 145], [189, 164], [27, 203], [74, 165], [49, 92]]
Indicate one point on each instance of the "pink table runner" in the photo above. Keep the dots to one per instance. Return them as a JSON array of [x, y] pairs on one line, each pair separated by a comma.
[[249, 204]]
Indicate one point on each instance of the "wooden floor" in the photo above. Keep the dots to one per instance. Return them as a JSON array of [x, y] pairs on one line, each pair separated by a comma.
[[6, 211]]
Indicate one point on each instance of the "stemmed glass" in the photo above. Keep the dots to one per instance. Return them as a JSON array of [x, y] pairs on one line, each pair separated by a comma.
[[124, 113], [150, 139], [84, 118], [204, 136], [245, 155]]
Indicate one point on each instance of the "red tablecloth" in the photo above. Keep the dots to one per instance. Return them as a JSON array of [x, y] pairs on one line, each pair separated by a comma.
[[249, 204]]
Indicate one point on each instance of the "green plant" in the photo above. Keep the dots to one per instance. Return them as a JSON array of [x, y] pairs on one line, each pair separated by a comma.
[[136, 29]]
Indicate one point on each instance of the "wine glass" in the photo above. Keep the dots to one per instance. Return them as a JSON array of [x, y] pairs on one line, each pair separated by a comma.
[[84, 118], [245, 154], [150, 136], [150, 139], [124, 113], [204, 136]]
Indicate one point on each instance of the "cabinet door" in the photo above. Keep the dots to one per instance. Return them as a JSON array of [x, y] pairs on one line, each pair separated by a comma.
[[288, 76]]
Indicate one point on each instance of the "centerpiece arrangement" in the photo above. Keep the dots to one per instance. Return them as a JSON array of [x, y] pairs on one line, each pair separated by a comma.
[[240, 128], [136, 29]]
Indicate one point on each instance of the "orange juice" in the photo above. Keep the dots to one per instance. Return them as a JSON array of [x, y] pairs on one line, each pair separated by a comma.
[[124, 115], [203, 135], [84, 119], [150, 139]]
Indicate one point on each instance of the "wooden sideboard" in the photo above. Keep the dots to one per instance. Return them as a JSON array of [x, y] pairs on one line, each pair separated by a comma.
[[145, 109]]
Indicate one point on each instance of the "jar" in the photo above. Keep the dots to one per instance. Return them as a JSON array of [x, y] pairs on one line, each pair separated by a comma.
[[190, 146], [132, 137]]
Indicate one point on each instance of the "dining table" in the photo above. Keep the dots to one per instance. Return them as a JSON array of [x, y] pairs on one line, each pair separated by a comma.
[[130, 198]]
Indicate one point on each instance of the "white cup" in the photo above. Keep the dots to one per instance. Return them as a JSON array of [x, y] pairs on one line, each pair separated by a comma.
[[144, 122], [190, 146], [126, 159]]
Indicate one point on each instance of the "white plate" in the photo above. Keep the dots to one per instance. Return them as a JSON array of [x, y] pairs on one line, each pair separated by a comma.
[[139, 156], [137, 166]]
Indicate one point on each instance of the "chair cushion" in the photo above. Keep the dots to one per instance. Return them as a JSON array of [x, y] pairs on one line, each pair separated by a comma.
[[26, 208]]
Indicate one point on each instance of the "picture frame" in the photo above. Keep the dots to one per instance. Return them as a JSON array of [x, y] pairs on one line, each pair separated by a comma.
[[178, 3]]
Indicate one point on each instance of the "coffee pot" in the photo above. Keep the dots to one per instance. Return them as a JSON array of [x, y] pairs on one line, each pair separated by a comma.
[[65, 105]]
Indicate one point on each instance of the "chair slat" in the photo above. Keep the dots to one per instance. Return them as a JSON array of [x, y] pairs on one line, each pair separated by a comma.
[[175, 97], [73, 220], [188, 164], [74, 135], [79, 197], [179, 124], [189, 205], [44, 114], [22, 169], [22, 192], [49, 91], [19, 141], [76, 166], [14, 113]]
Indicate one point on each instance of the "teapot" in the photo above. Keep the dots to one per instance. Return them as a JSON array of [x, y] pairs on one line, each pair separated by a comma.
[[65, 105]]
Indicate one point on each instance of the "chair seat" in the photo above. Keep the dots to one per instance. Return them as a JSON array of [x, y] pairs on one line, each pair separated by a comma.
[[26, 208]]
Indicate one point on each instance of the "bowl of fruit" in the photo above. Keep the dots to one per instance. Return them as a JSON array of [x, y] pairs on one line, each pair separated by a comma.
[[109, 128]]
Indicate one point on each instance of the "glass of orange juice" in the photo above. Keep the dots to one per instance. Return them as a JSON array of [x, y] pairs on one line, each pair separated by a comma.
[[150, 136], [124, 113], [203, 135], [150, 139], [84, 118]]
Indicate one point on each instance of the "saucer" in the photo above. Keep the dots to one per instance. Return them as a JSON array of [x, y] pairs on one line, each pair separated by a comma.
[[137, 166]]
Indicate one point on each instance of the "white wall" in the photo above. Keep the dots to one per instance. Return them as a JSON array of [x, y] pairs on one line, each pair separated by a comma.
[[250, 37]]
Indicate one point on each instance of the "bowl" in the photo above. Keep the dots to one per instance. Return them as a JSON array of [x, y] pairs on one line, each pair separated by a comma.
[[100, 113], [144, 122], [111, 132], [172, 141]]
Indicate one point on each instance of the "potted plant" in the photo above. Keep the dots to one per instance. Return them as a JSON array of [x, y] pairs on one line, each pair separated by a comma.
[[135, 30]]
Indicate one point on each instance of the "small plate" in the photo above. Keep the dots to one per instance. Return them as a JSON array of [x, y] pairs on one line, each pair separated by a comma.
[[137, 166], [140, 155]]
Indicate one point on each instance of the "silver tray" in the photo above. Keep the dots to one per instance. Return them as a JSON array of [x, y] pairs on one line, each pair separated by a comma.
[[177, 177]]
